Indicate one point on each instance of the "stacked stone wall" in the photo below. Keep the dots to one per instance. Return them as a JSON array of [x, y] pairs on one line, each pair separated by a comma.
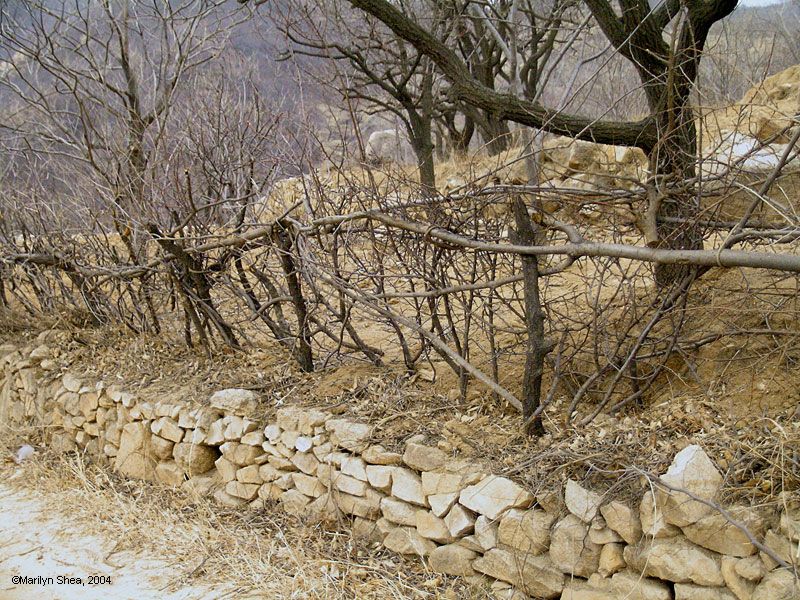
[[571, 544]]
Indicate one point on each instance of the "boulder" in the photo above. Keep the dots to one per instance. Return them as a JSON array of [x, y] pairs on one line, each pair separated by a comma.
[[244, 491], [380, 477], [168, 429], [493, 495], [571, 550], [751, 568], [675, 559], [388, 146], [162, 449], [693, 471]]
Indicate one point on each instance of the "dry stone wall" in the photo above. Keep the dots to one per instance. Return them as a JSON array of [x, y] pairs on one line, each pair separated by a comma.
[[575, 544]]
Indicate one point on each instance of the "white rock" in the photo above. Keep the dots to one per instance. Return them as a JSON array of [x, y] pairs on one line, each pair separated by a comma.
[[406, 540], [571, 550], [622, 519], [407, 485], [459, 521], [534, 575], [693, 471], [581, 502], [494, 495], [526, 531], [675, 559], [452, 559]]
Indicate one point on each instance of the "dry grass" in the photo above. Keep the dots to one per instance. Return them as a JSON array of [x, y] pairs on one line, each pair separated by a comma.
[[263, 553]]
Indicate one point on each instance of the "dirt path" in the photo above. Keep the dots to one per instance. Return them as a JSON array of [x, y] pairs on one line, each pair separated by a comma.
[[34, 542]]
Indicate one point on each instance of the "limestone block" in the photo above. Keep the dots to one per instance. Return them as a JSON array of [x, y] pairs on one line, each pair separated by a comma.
[[406, 540], [751, 568], [738, 585], [305, 462], [240, 454], [226, 468], [441, 483], [249, 474], [611, 559], [378, 455], [224, 498], [234, 401], [294, 502], [399, 512], [486, 532], [624, 520], [245, 491], [350, 485], [693, 471], [354, 467], [236, 427], [216, 433], [134, 458], [689, 591], [581, 502], [195, 459], [452, 559], [716, 533], [348, 434], [162, 449], [432, 527], [380, 477], [787, 550], [525, 531], [71, 383], [407, 485], [652, 519], [307, 485], [459, 521], [424, 458], [534, 575], [675, 559], [169, 473], [571, 550], [167, 429], [367, 506], [494, 495], [780, 584], [442, 503]]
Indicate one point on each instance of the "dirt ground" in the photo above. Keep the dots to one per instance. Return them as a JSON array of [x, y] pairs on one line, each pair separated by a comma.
[[38, 541]]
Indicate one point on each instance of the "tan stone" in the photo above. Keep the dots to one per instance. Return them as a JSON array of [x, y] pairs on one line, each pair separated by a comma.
[[399, 512], [245, 491], [675, 559], [716, 533], [216, 433], [88, 405], [493, 495], [534, 575], [202, 485], [379, 477], [249, 474], [441, 483], [234, 401], [378, 455], [621, 518], [236, 427], [348, 434], [367, 506], [790, 523], [307, 485], [354, 467], [294, 502], [226, 499], [407, 485], [486, 532], [611, 559], [780, 545], [432, 527], [751, 568], [780, 584], [350, 485], [570, 547], [71, 383], [305, 462], [632, 586], [253, 438], [424, 458], [134, 458], [459, 521], [652, 519], [693, 471], [240, 454], [269, 492], [738, 585], [167, 429], [281, 463], [688, 591], [452, 559], [581, 502], [226, 469], [169, 473], [526, 531], [442, 503], [406, 540], [195, 459]]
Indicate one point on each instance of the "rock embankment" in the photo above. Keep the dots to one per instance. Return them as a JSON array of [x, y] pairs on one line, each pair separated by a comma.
[[575, 544]]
